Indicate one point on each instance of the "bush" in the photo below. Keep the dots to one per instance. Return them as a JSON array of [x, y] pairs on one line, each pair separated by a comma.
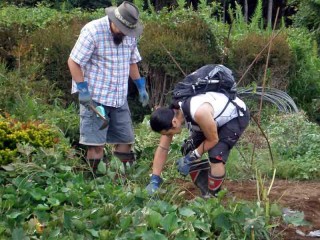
[[33, 133], [180, 35], [41, 37], [51, 47], [304, 84], [296, 142], [244, 51]]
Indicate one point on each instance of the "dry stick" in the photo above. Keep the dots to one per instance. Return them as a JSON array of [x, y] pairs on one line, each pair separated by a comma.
[[173, 59], [265, 136], [266, 67], [272, 181], [253, 151]]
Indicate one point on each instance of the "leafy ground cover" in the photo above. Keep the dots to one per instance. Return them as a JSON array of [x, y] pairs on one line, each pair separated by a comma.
[[301, 196], [48, 194]]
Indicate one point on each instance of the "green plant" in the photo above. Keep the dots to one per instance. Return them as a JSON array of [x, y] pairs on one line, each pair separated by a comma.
[[304, 85], [243, 54], [307, 16], [295, 140], [35, 134], [173, 44]]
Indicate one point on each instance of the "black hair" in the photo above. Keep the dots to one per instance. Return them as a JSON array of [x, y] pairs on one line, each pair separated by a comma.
[[161, 119]]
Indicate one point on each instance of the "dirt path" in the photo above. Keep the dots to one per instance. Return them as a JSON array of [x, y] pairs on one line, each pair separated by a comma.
[[298, 196]]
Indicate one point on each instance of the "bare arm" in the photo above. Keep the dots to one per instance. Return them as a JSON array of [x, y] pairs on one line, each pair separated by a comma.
[[134, 71], [75, 70], [161, 154], [204, 118]]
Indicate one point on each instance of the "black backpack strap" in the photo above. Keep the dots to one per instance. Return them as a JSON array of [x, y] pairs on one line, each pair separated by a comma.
[[225, 107], [185, 107]]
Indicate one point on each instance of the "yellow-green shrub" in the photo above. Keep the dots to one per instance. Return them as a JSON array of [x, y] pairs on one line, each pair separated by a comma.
[[34, 133]]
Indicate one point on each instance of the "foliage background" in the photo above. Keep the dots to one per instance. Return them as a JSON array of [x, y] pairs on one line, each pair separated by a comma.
[[47, 192]]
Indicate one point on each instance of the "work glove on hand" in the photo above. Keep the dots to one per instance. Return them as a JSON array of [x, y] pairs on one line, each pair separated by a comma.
[[185, 162], [143, 95], [155, 182], [84, 94]]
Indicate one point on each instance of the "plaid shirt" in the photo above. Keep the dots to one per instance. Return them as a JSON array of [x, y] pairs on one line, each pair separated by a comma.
[[105, 65]]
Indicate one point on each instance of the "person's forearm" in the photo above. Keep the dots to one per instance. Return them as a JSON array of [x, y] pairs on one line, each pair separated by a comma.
[[161, 154], [134, 71], [75, 70], [159, 161], [206, 145]]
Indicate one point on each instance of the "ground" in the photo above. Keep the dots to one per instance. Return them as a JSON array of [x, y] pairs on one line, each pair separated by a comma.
[[296, 195]]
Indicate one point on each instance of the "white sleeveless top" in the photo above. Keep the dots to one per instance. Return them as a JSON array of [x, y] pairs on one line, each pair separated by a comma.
[[218, 102]]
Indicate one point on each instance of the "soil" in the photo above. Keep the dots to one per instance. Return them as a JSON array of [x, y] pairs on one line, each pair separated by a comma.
[[295, 195]]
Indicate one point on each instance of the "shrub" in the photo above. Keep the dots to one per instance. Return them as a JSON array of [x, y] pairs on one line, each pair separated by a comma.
[[188, 40], [51, 47], [41, 37], [296, 142], [304, 84], [34, 133], [244, 51]]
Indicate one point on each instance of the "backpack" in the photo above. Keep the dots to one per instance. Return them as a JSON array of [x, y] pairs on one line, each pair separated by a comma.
[[209, 78]]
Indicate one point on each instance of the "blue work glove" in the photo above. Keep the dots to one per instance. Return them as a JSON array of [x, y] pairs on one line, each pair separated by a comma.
[[185, 162], [84, 94], [155, 182], [143, 95]]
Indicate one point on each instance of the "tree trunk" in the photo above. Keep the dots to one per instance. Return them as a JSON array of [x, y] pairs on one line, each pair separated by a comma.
[[246, 11], [270, 7]]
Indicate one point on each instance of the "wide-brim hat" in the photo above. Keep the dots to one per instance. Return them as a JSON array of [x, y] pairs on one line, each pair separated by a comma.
[[126, 18]]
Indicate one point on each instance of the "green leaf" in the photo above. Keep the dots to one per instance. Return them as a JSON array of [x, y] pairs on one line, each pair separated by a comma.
[[93, 232], [42, 207], [18, 234], [14, 214], [205, 227], [295, 218], [8, 168], [153, 218], [222, 222], [170, 222], [2, 228], [79, 224], [275, 210], [153, 235], [55, 233], [53, 202], [165, 207], [187, 212], [102, 167], [38, 194], [65, 189], [125, 222]]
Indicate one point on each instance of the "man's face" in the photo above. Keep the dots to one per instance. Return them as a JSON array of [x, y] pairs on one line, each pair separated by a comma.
[[176, 129], [118, 38], [117, 34]]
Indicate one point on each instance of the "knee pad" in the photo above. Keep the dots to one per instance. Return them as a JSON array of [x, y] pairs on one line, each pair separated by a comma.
[[125, 157], [216, 159]]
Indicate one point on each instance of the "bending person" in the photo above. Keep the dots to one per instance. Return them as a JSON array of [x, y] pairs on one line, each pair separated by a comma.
[[215, 124]]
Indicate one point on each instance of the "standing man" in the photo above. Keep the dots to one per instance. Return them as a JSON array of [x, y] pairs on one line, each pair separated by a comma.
[[215, 124], [103, 58]]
